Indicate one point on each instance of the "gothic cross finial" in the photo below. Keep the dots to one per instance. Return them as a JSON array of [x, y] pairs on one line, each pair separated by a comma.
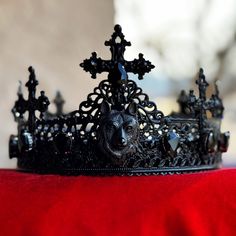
[[117, 66], [32, 104]]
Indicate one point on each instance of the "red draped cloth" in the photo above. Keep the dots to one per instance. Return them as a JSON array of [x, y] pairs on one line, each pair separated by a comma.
[[187, 204]]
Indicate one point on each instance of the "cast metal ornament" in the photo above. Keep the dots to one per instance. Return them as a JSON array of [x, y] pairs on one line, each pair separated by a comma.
[[118, 130]]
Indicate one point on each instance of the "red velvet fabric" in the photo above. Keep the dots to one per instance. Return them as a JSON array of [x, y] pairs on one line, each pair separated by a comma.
[[188, 204]]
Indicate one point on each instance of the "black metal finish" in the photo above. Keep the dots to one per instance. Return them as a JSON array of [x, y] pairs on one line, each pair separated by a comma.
[[117, 65], [118, 130]]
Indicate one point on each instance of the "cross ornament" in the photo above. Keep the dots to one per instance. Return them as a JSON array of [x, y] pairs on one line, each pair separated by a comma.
[[32, 104], [95, 65]]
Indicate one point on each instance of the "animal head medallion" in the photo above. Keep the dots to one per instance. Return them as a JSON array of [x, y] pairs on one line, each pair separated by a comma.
[[119, 132]]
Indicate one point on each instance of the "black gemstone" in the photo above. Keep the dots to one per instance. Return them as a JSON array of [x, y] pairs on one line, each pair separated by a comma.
[[173, 140], [123, 74]]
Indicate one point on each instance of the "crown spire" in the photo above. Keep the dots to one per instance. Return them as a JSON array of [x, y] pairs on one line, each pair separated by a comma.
[[32, 104], [59, 102], [202, 84], [117, 66]]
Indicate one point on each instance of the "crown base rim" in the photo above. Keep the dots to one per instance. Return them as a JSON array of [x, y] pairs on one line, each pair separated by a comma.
[[121, 171]]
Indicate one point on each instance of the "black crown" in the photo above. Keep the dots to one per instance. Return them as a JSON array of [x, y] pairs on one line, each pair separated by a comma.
[[118, 130]]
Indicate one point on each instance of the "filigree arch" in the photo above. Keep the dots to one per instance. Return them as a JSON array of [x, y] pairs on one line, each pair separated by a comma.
[[89, 113]]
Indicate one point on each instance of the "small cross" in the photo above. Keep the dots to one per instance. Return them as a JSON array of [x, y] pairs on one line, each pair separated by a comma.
[[117, 66], [32, 104]]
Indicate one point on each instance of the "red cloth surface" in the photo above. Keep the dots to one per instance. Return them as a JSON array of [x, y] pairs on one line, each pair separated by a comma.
[[188, 204]]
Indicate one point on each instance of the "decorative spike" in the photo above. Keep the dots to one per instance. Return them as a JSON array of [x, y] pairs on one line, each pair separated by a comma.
[[59, 102], [202, 84], [20, 91], [217, 92], [32, 82]]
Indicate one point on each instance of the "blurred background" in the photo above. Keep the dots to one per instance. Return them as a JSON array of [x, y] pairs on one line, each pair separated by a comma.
[[177, 36]]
